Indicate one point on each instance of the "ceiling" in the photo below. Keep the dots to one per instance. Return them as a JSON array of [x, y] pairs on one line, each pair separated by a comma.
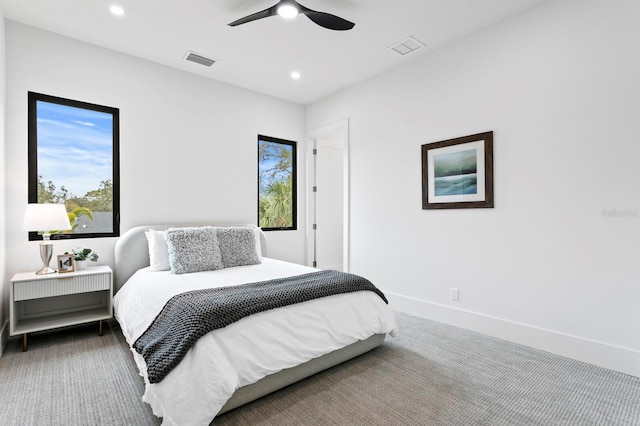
[[261, 55]]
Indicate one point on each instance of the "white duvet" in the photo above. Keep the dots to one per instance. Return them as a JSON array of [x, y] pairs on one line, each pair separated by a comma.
[[246, 351]]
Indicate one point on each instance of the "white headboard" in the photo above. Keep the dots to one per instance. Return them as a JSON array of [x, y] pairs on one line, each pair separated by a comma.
[[132, 249]]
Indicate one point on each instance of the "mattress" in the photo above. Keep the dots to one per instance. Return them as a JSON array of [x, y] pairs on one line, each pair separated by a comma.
[[244, 352]]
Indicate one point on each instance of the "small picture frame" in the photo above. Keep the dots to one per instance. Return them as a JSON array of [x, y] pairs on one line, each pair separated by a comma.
[[66, 263]]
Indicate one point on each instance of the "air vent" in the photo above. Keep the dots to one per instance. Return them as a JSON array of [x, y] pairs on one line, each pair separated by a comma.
[[199, 59], [406, 46]]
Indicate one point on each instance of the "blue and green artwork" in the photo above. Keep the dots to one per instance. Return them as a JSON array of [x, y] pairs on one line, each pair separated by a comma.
[[456, 173]]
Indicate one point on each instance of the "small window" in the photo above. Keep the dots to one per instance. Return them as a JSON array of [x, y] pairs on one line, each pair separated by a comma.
[[74, 160], [276, 184]]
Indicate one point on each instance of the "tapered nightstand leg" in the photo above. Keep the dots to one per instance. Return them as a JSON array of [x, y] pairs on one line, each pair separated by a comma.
[[100, 328], [24, 342]]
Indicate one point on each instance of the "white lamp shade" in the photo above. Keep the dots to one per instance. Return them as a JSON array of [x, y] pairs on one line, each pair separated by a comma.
[[46, 217]]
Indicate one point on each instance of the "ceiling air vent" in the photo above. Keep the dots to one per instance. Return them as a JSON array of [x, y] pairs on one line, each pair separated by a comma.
[[408, 45], [199, 59]]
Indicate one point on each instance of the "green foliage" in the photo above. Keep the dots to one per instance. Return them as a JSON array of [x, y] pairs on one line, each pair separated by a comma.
[[81, 253], [98, 200], [75, 213], [280, 155], [275, 209], [276, 205], [47, 193], [101, 199]]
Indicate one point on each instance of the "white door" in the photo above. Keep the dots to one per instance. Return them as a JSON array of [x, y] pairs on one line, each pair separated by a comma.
[[329, 204], [328, 201]]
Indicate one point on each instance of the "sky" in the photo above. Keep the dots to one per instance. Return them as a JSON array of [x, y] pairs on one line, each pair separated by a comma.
[[74, 147]]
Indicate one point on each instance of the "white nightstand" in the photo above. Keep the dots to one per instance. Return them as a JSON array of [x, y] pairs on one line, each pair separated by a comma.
[[43, 302]]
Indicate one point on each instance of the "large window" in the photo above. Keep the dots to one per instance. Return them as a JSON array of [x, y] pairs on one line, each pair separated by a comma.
[[276, 184], [74, 160]]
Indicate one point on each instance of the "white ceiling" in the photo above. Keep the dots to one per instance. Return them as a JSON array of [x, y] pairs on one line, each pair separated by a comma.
[[261, 55]]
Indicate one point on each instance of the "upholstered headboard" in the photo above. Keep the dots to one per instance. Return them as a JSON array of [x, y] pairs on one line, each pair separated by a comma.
[[132, 250]]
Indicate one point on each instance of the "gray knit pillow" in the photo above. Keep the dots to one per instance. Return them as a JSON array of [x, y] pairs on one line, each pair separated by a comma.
[[193, 250], [237, 246]]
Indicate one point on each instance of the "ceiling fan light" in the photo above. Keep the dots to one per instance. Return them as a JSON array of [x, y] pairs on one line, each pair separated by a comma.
[[116, 10], [288, 11]]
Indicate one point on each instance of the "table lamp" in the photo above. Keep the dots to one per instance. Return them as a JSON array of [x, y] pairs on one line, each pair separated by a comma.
[[46, 218]]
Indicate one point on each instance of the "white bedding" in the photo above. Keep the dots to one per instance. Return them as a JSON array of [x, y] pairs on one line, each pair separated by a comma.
[[246, 351]]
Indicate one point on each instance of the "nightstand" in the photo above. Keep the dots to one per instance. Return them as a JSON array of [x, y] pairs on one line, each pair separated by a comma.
[[44, 302]]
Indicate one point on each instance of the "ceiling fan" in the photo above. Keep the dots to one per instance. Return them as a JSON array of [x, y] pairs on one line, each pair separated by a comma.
[[290, 9]]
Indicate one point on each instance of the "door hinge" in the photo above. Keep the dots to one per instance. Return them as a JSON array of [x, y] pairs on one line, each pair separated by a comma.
[[315, 189], [315, 151], [315, 263], [315, 226]]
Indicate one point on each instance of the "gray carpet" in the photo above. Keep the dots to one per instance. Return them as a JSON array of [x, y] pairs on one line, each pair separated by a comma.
[[432, 374]]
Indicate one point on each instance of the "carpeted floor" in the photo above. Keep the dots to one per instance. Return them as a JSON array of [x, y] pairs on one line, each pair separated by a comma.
[[432, 374]]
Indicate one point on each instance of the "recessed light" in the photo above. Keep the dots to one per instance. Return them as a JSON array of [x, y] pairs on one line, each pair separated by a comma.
[[296, 75], [116, 10]]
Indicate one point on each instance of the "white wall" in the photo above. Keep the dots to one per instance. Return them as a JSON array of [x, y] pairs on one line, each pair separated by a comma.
[[559, 87], [188, 145], [4, 322]]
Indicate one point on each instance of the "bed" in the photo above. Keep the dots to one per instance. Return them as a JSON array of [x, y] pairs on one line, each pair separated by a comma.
[[251, 357]]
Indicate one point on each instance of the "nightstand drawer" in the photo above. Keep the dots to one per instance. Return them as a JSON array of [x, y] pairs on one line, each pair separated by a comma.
[[60, 286]]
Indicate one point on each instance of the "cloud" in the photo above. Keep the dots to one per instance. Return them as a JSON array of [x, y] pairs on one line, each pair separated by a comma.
[[44, 121], [84, 123]]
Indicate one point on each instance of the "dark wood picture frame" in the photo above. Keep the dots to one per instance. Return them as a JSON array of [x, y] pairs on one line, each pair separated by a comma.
[[458, 173]]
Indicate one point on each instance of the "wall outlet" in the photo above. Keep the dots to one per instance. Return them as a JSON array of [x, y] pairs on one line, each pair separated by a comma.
[[455, 294]]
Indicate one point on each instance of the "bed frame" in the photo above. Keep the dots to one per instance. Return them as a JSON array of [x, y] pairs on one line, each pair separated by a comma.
[[132, 253]]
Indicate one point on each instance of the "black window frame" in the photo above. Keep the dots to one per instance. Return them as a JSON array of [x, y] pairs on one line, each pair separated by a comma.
[[294, 179], [33, 99]]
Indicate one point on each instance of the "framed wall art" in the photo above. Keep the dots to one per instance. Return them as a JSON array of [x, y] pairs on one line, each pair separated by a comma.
[[458, 173]]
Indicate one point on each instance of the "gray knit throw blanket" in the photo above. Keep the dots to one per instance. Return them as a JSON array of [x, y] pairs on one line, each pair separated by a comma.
[[188, 316]]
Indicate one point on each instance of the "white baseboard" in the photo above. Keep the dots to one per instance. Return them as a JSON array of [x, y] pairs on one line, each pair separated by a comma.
[[4, 336], [625, 360]]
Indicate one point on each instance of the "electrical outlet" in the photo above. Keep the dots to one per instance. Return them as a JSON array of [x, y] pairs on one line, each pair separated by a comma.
[[455, 294]]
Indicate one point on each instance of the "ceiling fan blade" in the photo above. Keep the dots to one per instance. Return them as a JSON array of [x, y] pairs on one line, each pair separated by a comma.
[[326, 20], [273, 10]]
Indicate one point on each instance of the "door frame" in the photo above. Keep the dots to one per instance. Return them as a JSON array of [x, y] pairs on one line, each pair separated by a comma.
[[340, 130]]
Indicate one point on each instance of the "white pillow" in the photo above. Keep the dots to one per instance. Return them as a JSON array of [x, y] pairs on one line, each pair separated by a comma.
[[258, 233], [158, 251]]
